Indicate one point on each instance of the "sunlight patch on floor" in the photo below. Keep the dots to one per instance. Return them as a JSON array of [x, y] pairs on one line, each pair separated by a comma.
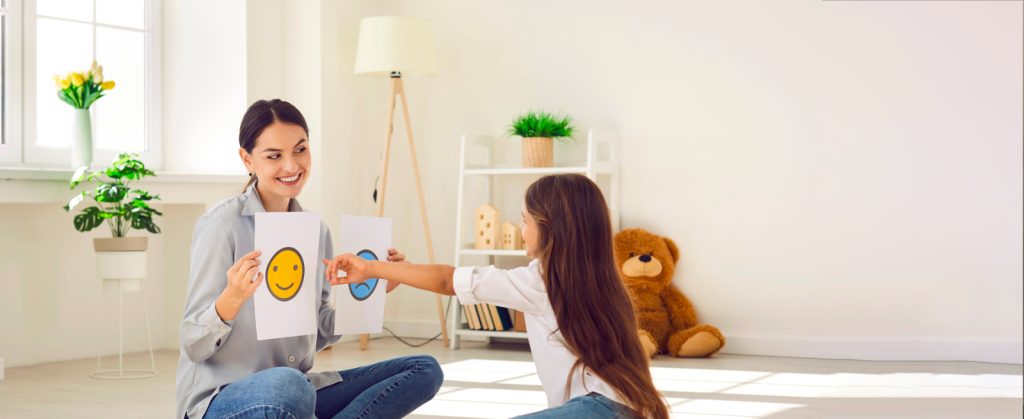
[[487, 371], [734, 408], [497, 402], [528, 380], [894, 385], [484, 403]]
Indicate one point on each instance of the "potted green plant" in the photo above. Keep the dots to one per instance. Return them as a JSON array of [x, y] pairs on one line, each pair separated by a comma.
[[539, 129], [117, 204]]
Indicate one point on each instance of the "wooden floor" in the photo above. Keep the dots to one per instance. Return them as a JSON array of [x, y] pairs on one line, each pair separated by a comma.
[[499, 380]]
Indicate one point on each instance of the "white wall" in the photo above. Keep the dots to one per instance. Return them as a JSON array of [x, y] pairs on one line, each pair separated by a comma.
[[55, 308], [204, 84], [858, 162]]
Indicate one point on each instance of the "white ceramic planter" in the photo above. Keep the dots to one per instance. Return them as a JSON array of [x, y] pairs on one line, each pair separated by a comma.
[[121, 259]]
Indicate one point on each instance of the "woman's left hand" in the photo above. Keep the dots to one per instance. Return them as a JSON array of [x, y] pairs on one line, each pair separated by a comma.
[[395, 256]]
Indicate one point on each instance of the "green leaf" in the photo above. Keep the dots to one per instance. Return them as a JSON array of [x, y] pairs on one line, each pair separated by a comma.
[[541, 124], [77, 199], [111, 192], [78, 176], [92, 97], [89, 219], [63, 96]]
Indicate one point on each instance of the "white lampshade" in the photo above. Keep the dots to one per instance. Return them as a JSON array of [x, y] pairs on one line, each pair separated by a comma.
[[395, 43]]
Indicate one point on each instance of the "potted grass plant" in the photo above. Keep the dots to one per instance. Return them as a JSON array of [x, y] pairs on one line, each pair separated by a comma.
[[539, 131], [122, 209]]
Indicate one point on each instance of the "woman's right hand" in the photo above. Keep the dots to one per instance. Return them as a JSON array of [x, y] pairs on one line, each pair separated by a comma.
[[244, 277]]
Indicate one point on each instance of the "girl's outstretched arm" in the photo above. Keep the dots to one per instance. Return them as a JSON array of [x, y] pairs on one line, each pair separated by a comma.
[[435, 278]]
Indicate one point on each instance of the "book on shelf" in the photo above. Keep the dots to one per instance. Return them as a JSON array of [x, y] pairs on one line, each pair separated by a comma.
[[490, 317], [502, 316], [519, 322], [480, 325], [471, 319], [486, 316]]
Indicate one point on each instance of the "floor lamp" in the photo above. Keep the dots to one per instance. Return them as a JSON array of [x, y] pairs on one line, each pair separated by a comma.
[[393, 46]]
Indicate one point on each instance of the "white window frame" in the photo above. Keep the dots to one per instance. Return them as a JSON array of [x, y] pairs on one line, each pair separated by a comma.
[[38, 156], [10, 149]]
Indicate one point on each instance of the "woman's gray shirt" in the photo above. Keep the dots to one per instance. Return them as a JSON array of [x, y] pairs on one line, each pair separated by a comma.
[[214, 352]]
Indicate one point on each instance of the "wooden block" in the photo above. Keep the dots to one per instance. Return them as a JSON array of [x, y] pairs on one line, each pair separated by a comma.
[[486, 231], [510, 236]]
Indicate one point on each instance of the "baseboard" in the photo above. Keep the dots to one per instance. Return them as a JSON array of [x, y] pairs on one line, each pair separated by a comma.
[[880, 349], [975, 350]]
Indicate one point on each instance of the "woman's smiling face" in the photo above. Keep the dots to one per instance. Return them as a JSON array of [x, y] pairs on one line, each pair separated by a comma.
[[280, 160]]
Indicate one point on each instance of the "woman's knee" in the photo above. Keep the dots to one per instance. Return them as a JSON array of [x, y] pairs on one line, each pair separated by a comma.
[[290, 389], [430, 370]]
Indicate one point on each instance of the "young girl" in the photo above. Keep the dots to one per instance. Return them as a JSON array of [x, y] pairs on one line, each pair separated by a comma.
[[579, 319], [223, 371]]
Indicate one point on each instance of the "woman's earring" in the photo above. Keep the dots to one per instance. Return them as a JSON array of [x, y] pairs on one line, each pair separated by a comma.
[[250, 174]]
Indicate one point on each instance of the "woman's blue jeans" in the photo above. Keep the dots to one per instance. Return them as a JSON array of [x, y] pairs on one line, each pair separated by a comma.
[[387, 389], [593, 405]]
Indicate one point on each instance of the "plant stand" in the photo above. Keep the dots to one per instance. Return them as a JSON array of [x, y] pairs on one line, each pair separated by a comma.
[[125, 271]]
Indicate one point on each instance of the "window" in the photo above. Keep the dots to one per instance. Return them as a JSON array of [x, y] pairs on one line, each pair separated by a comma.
[[61, 36], [10, 88]]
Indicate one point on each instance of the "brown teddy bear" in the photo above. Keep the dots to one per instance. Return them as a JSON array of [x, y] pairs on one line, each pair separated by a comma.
[[667, 320]]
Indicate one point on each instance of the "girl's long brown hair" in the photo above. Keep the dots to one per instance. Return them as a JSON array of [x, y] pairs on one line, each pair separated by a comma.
[[594, 313]]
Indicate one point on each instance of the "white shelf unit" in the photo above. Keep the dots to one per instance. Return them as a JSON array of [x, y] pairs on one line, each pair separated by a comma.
[[478, 164]]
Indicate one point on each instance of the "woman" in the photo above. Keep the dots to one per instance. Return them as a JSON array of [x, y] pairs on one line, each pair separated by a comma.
[[223, 370]]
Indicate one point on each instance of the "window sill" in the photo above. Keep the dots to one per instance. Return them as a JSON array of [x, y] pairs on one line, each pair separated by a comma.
[[23, 185], [64, 175]]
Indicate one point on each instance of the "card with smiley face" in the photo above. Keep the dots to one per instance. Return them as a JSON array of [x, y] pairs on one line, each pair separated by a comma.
[[286, 300], [359, 308]]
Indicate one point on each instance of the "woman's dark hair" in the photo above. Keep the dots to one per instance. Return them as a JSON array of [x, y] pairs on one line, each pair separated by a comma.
[[262, 114], [593, 310]]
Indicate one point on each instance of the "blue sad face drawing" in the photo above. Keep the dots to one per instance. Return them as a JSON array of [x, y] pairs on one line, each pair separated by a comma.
[[365, 289]]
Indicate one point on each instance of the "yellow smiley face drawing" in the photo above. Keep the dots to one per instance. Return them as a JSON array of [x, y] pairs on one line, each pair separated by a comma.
[[284, 274]]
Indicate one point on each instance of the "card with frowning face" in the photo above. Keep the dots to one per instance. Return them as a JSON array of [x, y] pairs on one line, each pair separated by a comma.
[[359, 308]]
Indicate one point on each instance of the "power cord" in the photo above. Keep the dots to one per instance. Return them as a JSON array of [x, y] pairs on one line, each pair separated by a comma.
[[376, 180], [417, 345]]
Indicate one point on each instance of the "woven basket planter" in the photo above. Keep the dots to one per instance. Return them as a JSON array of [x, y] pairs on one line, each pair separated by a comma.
[[538, 152]]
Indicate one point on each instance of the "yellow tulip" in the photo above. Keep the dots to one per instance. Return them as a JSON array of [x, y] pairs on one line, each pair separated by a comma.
[[76, 79], [98, 75], [64, 84], [107, 85], [56, 81]]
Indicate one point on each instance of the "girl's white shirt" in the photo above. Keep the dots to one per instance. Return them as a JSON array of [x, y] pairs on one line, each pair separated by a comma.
[[523, 289]]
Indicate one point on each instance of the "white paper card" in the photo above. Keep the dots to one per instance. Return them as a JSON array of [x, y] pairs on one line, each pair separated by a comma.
[[286, 300], [360, 307]]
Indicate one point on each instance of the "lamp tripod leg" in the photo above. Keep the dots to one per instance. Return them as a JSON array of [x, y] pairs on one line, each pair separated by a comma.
[[364, 339], [423, 211]]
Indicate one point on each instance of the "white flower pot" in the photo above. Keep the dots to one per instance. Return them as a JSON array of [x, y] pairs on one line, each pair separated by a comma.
[[121, 259]]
